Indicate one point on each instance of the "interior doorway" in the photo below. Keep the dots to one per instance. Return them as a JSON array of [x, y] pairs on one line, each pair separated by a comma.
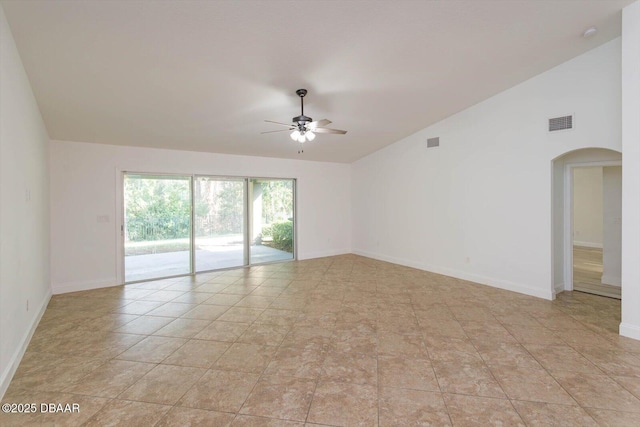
[[596, 224], [562, 213]]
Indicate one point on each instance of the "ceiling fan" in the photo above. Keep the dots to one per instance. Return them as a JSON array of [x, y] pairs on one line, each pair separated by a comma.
[[304, 128]]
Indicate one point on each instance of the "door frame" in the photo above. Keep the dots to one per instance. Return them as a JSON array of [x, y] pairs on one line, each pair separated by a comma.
[[567, 228]]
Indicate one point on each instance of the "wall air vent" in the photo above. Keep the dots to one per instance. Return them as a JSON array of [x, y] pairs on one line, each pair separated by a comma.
[[561, 123], [433, 142]]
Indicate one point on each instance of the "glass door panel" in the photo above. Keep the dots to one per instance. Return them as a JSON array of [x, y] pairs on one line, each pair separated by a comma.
[[272, 220], [157, 226], [219, 223]]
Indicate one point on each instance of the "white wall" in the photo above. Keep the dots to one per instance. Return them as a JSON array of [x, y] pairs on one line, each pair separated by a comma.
[[479, 206], [587, 207], [630, 325], [612, 225], [85, 185], [24, 212]]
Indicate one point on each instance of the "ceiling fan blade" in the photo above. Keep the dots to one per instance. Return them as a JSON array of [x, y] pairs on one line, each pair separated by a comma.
[[289, 125], [272, 131], [318, 123], [325, 130]]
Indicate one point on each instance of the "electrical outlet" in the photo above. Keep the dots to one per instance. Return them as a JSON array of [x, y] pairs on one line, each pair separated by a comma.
[[467, 260], [27, 305]]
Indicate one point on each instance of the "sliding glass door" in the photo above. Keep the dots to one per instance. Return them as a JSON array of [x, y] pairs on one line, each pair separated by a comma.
[[272, 222], [219, 223], [157, 226], [179, 225]]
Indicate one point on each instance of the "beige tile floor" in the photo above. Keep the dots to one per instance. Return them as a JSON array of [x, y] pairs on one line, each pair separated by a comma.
[[339, 341]]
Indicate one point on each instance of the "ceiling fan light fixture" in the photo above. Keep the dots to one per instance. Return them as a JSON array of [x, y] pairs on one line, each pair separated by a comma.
[[310, 135], [295, 135], [301, 138]]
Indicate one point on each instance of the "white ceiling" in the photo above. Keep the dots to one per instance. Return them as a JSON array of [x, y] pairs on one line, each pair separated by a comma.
[[203, 75]]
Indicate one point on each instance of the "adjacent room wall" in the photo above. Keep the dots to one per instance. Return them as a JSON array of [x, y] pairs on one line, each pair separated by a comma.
[[612, 225], [24, 209], [630, 325], [479, 207], [587, 207], [85, 184]]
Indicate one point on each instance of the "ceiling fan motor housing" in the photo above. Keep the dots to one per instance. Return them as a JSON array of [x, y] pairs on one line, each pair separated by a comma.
[[302, 120]]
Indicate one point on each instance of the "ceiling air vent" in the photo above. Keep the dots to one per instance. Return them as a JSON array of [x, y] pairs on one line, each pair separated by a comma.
[[433, 142], [561, 123]]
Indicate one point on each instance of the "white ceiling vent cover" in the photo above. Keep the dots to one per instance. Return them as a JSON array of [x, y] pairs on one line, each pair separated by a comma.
[[433, 142], [561, 123]]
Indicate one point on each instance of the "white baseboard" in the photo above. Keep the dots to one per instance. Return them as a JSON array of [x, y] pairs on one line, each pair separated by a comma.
[[611, 280], [559, 287], [63, 288], [322, 254], [630, 331], [16, 358], [587, 244], [495, 283]]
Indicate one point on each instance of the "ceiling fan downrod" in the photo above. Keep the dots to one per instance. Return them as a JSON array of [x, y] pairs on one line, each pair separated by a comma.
[[302, 120]]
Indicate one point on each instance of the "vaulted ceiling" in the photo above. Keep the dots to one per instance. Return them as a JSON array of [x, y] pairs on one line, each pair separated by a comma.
[[204, 75]]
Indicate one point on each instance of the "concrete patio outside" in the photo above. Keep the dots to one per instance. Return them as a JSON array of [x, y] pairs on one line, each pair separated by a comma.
[[211, 254]]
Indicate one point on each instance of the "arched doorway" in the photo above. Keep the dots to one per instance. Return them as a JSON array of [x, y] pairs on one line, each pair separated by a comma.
[[564, 170]]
